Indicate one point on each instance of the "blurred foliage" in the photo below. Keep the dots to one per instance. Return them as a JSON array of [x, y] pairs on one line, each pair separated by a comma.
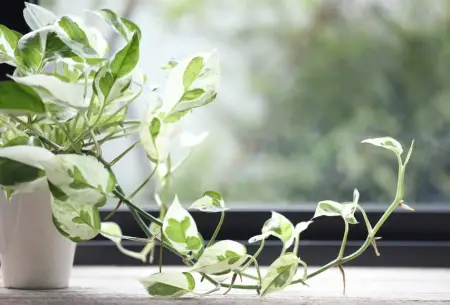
[[346, 71]]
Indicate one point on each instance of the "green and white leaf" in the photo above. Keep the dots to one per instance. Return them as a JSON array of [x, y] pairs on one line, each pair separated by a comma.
[[169, 284], [278, 226], [386, 142], [280, 274], [332, 208], [192, 83], [155, 145], [30, 50], [108, 88], [181, 231], [37, 17], [21, 169], [19, 99], [112, 231], [221, 257], [8, 44], [122, 26], [78, 222], [52, 88], [211, 202], [78, 180], [83, 40]]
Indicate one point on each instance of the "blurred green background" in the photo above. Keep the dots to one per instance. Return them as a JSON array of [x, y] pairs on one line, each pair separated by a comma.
[[322, 76]]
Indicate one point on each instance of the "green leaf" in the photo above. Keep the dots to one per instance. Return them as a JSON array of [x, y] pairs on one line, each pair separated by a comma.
[[180, 230], [8, 44], [52, 88], [155, 127], [82, 178], [408, 156], [280, 274], [278, 226], [30, 49], [55, 47], [211, 202], [192, 71], [192, 94], [175, 117], [386, 142], [221, 256], [169, 284], [126, 59], [78, 222], [19, 99], [37, 17], [131, 26], [113, 232]]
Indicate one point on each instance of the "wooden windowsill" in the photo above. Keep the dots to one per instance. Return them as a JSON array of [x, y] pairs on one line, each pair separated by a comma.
[[119, 285]]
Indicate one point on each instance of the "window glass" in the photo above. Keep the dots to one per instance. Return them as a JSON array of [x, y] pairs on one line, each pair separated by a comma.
[[303, 82]]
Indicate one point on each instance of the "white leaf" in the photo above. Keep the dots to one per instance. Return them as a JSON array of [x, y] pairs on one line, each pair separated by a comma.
[[220, 257], [302, 226], [386, 142], [180, 230], [258, 237], [280, 274], [169, 284], [355, 196], [56, 90], [37, 17], [190, 140]]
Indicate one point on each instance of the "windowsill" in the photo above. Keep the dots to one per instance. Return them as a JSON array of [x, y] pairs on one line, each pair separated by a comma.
[[118, 285]]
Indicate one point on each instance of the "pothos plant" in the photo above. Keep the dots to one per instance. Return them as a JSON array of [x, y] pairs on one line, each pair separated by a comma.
[[68, 96]]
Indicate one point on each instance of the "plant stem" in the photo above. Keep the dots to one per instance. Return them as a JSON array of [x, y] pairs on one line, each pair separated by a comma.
[[117, 159], [381, 221], [38, 134], [297, 241], [135, 208], [144, 182], [161, 251], [216, 232], [344, 241]]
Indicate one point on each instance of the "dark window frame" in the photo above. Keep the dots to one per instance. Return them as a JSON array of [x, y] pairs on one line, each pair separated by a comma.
[[410, 239]]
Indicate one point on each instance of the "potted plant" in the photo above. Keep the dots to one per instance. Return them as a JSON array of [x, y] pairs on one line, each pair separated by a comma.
[[64, 101]]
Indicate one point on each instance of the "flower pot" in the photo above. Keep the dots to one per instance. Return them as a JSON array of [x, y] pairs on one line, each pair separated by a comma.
[[33, 254]]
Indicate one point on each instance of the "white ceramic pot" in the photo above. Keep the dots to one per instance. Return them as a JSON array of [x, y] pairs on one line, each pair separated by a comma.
[[33, 254]]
